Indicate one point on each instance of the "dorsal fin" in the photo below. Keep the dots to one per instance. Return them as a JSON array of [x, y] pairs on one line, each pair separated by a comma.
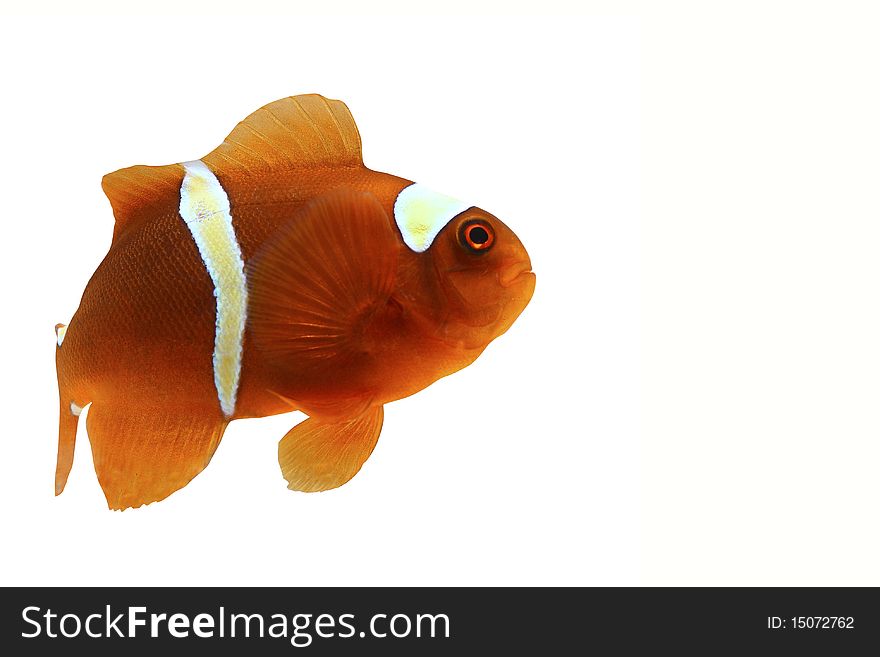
[[292, 133], [136, 192]]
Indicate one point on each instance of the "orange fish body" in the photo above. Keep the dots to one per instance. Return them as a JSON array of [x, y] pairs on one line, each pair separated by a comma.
[[277, 273]]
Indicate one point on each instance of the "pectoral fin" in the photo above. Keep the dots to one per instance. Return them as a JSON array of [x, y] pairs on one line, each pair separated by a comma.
[[316, 285], [316, 455]]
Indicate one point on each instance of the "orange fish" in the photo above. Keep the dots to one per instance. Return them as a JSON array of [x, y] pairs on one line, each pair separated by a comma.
[[277, 273]]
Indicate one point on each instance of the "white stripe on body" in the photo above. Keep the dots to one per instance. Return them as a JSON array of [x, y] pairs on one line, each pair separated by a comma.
[[204, 207]]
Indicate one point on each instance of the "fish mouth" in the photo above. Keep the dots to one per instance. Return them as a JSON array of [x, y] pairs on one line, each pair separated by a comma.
[[515, 272]]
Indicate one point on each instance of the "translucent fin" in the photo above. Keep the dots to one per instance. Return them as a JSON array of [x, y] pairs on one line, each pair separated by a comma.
[[291, 133], [67, 422], [60, 332], [140, 192], [144, 454], [316, 456], [318, 281]]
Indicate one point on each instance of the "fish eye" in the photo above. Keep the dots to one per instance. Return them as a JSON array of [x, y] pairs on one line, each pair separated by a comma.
[[477, 235]]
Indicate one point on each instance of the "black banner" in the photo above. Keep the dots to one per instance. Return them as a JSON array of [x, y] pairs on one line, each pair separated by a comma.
[[437, 621]]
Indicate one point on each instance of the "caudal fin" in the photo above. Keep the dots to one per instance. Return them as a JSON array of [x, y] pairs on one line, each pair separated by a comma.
[[68, 417], [68, 420]]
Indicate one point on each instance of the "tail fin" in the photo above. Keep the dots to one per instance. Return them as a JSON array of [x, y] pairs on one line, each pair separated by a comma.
[[60, 332], [68, 418]]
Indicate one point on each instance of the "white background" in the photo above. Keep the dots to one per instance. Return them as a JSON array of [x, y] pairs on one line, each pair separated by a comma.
[[522, 469], [761, 321], [760, 327]]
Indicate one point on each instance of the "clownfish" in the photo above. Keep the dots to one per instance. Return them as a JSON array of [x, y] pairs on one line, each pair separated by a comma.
[[277, 273]]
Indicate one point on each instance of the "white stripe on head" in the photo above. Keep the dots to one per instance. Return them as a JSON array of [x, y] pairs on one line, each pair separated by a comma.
[[204, 207], [421, 214]]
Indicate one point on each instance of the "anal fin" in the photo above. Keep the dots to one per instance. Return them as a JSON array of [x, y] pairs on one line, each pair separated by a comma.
[[145, 453], [317, 455]]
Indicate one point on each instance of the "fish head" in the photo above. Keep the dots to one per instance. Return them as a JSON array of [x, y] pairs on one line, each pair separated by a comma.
[[486, 277]]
